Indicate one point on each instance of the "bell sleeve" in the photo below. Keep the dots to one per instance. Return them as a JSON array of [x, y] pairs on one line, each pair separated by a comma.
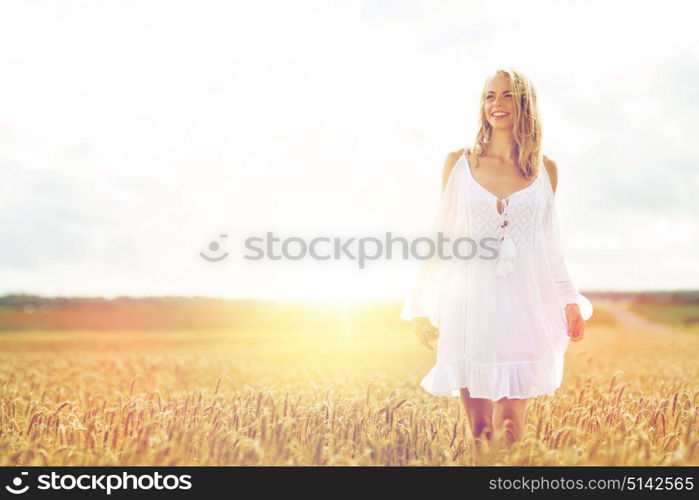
[[423, 297], [565, 288]]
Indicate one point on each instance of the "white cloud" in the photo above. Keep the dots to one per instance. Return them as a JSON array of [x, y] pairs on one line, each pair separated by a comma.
[[132, 133]]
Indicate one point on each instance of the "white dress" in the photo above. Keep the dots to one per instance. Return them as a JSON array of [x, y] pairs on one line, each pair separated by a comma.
[[500, 313]]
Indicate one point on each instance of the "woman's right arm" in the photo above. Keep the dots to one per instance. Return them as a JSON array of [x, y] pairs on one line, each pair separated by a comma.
[[449, 163], [418, 305]]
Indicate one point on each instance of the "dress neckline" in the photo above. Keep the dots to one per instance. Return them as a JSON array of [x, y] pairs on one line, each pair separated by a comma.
[[468, 167]]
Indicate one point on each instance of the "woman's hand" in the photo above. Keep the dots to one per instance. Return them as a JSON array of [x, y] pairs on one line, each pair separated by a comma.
[[576, 325], [425, 332]]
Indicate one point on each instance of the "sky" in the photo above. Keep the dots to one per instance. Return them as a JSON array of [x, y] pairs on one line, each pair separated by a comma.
[[135, 133]]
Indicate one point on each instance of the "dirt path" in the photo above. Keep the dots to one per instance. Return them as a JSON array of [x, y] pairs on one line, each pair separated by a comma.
[[630, 319]]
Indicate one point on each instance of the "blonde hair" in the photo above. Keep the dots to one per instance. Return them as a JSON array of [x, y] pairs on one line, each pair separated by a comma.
[[527, 125]]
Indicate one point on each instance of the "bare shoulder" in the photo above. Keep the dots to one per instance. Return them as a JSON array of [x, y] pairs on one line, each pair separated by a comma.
[[449, 163], [552, 170]]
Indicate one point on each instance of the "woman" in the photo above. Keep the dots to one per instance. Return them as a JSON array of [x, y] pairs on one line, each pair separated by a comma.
[[502, 319]]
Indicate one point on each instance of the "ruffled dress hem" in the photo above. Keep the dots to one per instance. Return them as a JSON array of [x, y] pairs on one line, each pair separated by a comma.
[[513, 380]]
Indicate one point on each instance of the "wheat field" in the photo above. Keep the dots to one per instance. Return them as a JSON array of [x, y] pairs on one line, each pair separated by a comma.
[[344, 394]]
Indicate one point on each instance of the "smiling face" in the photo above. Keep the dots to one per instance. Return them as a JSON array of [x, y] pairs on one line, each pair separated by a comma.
[[499, 106]]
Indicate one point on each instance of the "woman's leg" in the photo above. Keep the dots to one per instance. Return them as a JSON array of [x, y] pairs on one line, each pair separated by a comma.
[[510, 415], [480, 415]]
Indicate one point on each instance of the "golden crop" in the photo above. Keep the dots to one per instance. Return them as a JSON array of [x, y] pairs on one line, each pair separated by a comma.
[[343, 394]]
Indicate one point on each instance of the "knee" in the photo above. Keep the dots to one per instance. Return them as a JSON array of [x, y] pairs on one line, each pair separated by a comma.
[[511, 421], [509, 415], [482, 428], [509, 411]]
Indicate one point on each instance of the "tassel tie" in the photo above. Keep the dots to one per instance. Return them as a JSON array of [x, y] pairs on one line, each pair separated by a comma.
[[508, 251]]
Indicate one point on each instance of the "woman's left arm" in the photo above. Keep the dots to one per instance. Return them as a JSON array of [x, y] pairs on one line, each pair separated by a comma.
[[566, 289]]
